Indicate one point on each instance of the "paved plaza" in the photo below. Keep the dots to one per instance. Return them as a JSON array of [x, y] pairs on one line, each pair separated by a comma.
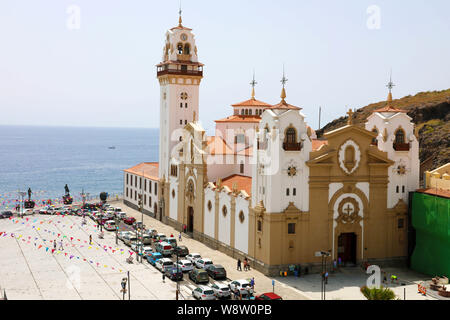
[[29, 270]]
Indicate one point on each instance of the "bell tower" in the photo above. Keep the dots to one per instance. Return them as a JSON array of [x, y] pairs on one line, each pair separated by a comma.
[[179, 75]]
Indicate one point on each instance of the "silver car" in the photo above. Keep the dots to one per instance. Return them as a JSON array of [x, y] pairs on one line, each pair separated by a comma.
[[204, 293], [185, 265], [221, 290]]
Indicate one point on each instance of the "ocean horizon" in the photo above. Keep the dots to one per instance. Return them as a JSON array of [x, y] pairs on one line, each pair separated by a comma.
[[46, 158]]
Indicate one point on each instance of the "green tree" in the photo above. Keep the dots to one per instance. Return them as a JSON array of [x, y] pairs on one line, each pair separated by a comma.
[[376, 293]]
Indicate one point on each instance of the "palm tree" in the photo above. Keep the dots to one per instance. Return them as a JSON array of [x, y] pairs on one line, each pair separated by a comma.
[[376, 293]]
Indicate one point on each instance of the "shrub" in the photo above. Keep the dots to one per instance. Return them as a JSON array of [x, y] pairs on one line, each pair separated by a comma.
[[380, 293]]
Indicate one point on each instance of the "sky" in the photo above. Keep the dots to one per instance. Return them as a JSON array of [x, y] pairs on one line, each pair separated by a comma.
[[99, 70]]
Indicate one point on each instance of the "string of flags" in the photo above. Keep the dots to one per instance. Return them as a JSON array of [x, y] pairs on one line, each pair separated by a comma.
[[29, 240]]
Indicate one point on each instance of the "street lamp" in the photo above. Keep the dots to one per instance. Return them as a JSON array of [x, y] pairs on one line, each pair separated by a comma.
[[324, 255], [124, 287]]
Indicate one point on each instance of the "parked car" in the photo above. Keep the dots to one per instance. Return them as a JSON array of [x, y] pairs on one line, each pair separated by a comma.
[[203, 262], [117, 209], [6, 214], [268, 296], [146, 250], [163, 264], [172, 241], [137, 246], [164, 248], [192, 257], [150, 232], [174, 273], [182, 251], [241, 285], [121, 215], [138, 225], [122, 234], [160, 237], [221, 290], [216, 271], [129, 239], [199, 276], [185, 265], [129, 220], [146, 239], [45, 210], [153, 257], [110, 225], [203, 293]]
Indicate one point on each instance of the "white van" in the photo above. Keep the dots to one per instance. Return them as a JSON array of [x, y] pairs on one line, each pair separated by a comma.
[[164, 248]]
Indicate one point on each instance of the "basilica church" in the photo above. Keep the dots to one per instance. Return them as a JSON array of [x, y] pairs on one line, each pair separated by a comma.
[[264, 186]]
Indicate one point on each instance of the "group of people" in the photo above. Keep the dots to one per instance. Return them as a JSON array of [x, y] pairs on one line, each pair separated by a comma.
[[246, 265]]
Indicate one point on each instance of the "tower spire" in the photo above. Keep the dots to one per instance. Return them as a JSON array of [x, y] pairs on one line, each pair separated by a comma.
[[390, 85], [253, 83], [283, 91], [180, 20]]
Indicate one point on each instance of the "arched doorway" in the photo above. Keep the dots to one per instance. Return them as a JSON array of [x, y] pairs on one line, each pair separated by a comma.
[[155, 210], [190, 220], [347, 243]]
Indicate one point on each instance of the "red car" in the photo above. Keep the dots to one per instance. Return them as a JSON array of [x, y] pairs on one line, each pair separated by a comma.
[[268, 296], [129, 220]]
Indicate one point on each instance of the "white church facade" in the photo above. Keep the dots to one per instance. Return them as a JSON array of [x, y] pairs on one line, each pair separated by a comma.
[[264, 187]]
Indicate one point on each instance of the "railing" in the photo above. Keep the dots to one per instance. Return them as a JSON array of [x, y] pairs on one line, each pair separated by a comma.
[[179, 72], [401, 146], [292, 146]]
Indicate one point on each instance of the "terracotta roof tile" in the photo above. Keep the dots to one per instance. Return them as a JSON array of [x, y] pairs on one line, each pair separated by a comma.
[[284, 105], [240, 118], [439, 192], [316, 144], [389, 108], [148, 170], [251, 103], [243, 182]]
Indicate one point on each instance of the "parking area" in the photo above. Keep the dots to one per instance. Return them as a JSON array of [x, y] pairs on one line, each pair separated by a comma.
[[34, 268]]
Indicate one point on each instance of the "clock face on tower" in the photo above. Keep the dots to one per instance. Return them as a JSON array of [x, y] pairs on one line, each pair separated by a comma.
[[184, 37]]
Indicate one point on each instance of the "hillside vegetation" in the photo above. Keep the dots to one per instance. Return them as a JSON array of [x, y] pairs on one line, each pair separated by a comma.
[[430, 112]]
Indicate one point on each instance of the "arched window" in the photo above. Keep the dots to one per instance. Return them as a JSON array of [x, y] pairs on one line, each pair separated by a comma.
[[242, 112], [250, 112], [180, 48], [241, 216], [291, 136], [399, 136], [209, 205], [374, 140], [187, 49], [246, 112], [224, 211]]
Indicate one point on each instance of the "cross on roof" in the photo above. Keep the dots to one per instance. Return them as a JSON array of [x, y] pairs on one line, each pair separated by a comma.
[[253, 83], [350, 116], [284, 79], [390, 84]]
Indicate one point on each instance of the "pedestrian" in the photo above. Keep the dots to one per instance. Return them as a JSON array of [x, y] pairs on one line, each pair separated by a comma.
[[164, 277], [61, 245], [184, 228], [54, 244], [179, 237], [334, 265], [245, 264], [326, 277], [385, 277], [90, 239], [252, 283], [239, 268], [339, 262]]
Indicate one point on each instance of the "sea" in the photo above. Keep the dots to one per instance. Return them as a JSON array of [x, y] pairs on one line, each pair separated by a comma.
[[89, 160]]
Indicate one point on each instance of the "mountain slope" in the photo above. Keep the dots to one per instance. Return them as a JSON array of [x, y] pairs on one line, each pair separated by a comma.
[[430, 112]]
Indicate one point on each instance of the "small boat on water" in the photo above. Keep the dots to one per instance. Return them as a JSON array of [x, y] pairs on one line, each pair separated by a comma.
[[112, 148]]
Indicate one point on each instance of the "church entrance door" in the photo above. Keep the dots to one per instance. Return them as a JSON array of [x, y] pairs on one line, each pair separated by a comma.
[[347, 248], [190, 220]]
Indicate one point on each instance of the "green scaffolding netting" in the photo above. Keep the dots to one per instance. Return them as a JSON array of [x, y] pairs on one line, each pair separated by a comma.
[[431, 220]]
